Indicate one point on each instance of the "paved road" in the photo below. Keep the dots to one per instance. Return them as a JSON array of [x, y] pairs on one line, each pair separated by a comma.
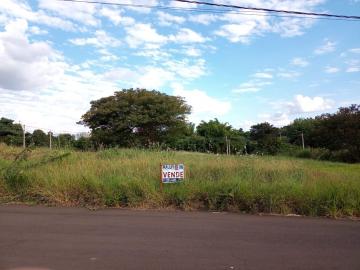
[[79, 239]]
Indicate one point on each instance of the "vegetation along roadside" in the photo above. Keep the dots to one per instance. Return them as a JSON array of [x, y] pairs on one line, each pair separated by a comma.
[[130, 178]]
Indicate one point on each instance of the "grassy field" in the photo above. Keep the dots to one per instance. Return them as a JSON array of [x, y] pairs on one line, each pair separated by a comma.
[[130, 178]]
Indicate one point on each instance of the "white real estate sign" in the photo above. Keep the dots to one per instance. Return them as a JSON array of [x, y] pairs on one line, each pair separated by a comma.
[[172, 173]]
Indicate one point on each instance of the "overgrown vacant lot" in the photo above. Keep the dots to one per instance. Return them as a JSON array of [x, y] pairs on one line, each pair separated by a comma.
[[130, 178]]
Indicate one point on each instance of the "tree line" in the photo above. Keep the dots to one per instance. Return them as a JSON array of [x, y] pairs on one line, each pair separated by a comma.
[[151, 119]]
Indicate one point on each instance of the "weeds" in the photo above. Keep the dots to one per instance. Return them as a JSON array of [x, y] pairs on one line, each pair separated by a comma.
[[130, 178]]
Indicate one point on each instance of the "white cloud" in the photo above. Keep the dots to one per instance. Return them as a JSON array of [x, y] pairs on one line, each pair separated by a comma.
[[288, 74], [329, 69], [176, 4], [204, 19], [115, 16], [245, 125], [141, 33], [242, 28], [101, 40], [191, 51], [185, 68], [204, 107], [154, 77], [306, 104], [263, 75], [278, 119], [122, 75], [291, 27], [251, 86], [300, 104], [37, 31], [300, 62], [353, 69], [80, 12], [17, 9], [237, 32], [186, 35], [353, 66], [327, 47], [166, 19], [139, 3], [26, 65], [355, 50]]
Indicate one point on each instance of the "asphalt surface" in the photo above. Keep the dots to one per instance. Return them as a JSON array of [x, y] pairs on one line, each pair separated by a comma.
[[73, 238]]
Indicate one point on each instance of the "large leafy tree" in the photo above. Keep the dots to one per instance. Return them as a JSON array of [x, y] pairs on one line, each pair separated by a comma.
[[134, 117], [266, 138], [340, 132]]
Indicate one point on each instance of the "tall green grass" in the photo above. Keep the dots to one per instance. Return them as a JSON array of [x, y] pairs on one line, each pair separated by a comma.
[[130, 178]]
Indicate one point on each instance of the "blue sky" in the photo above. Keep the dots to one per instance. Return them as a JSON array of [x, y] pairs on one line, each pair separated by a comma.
[[241, 68]]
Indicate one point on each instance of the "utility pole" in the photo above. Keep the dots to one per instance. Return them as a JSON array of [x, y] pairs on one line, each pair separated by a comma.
[[302, 140], [23, 129], [227, 145], [50, 134]]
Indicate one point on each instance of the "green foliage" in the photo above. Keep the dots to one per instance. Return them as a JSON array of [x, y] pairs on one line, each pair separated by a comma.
[[83, 144], [130, 178], [136, 117], [266, 137], [39, 138], [149, 119], [215, 135], [64, 140], [340, 132], [10, 133], [300, 126]]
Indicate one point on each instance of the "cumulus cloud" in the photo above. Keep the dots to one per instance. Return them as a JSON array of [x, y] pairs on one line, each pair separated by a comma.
[[26, 65], [186, 68], [204, 107], [17, 9], [81, 12], [306, 104], [299, 105], [142, 33]]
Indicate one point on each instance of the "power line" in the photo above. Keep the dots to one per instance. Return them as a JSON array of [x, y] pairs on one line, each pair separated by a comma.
[[246, 11], [272, 10]]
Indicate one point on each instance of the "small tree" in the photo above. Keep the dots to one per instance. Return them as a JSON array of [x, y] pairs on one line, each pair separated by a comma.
[[39, 138]]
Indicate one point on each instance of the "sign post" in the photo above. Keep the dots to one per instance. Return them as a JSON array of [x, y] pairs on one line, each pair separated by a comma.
[[171, 173]]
